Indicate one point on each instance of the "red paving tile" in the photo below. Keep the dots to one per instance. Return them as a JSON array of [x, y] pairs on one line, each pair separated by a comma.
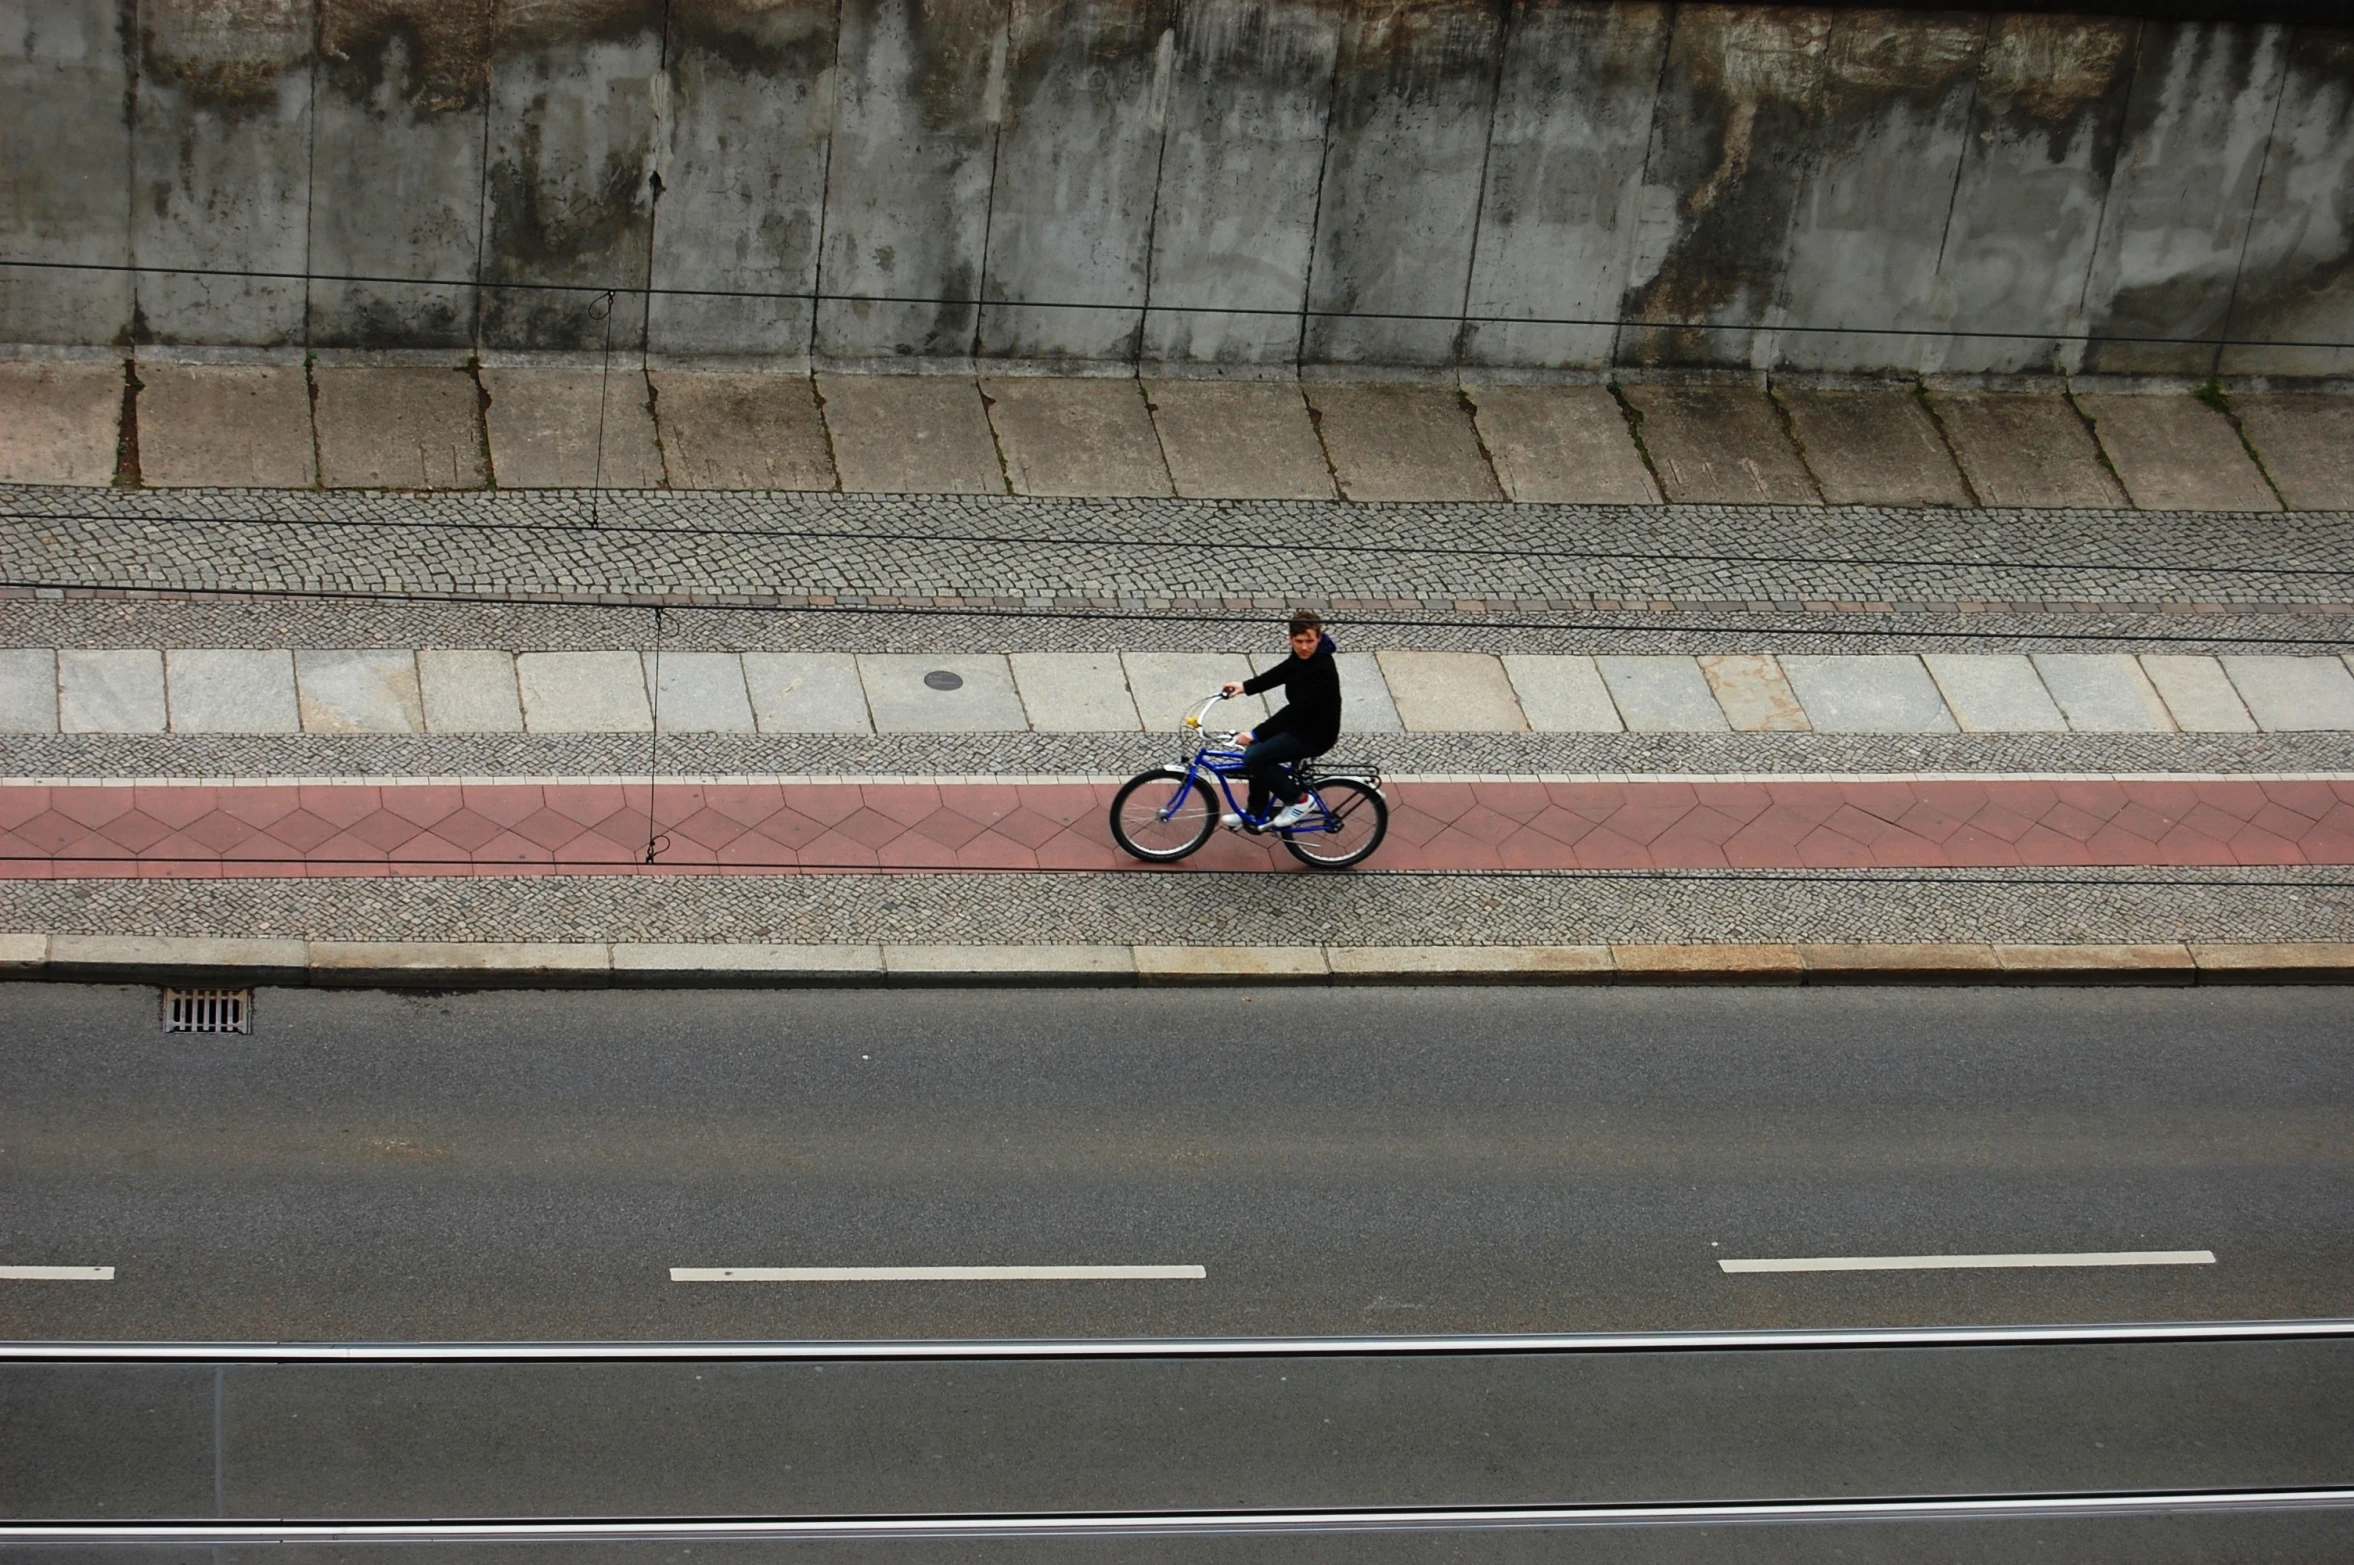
[[525, 828]]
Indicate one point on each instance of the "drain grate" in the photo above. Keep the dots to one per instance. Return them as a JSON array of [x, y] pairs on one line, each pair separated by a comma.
[[208, 1010]]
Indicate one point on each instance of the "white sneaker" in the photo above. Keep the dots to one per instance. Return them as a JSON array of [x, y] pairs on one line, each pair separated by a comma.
[[1233, 822], [1289, 816]]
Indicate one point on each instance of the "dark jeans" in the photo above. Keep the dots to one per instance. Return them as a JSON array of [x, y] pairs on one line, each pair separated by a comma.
[[1267, 763]]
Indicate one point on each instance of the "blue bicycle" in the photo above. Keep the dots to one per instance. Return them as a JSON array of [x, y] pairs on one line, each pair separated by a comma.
[[1162, 815]]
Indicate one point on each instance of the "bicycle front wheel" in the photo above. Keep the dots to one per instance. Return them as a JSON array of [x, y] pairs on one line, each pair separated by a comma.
[[1353, 820], [1150, 821]]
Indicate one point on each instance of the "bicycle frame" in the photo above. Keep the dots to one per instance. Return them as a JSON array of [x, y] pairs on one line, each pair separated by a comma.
[[1221, 759]]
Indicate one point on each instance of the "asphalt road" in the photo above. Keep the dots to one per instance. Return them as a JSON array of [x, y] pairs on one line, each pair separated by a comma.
[[531, 1165]]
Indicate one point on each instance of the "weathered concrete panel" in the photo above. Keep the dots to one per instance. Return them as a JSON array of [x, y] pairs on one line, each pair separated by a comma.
[[1558, 220], [1250, 91], [221, 168], [65, 168], [396, 171], [1239, 440], [58, 421], [2297, 278], [1871, 216], [1079, 435], [572, 140], [1399, 208], [2026, 449], [910, 434], [1721, 183], [1719, 445], [2306, 443], [2196, 127], [571, 429], [399, 429], [1875, 447], [1565, 445], [1070, 219], [2175, 453], [1401, 442], [750, 90], [741, 431], [2042, 138], [244, 425], [920, 88]]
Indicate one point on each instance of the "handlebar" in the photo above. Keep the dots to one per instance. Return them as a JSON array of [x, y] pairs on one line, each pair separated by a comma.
[[1193, 719]]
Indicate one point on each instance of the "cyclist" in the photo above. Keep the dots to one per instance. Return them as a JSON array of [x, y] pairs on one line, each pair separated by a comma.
[[1308, 726]]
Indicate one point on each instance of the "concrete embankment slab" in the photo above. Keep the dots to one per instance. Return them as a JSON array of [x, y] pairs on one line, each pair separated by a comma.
[[1719, 445], [1565, 445], [2175, 453], [58, 420], [724, 431], [1076, 437], [399, 428], [2027, 449], [910, 434], [1401, 442], [1239, 440], [2307, 443], [571, 429], [227, 425], [1873, 447]]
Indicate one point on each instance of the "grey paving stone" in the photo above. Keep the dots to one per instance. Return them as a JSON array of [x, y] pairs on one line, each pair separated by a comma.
[[1365, 704], [231, 690], [1754, 696], [1451, 693], [2198, 693], [469, 691], [1719, 445], [1873, 447], [1168, 686], [2175, 453], [983, 702], [1076, 437], [583, 693], [1994, 693], [28, 690], [806, 693], [2290, 695], [1662, 695], [729, 431], [699, 692], [2307, 443], [1874, 694], [398, 428], [2102, 692], [1393, 441], [367, 691], [571, 429], [1566, 445], [228, 425], [58, 420], [1074, 692], [2027, 449], [910, 434], [1239, 440], [1562, 693]]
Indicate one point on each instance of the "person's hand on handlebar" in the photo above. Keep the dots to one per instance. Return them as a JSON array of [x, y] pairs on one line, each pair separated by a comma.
[[1230, 689]]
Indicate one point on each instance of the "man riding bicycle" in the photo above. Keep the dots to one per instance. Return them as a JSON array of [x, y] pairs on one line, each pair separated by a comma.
[[1308, 726]]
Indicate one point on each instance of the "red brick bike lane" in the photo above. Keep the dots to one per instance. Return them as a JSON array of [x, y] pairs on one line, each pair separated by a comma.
[[747, 826]]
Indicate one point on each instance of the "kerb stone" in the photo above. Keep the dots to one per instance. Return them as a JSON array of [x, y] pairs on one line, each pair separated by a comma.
[[1010, 964], [1469, 964], [750, 965], [1231, 965]]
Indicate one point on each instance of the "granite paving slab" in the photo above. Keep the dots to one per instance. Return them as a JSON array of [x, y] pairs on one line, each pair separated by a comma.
[[1562, 693], [216, 690], [910, 434], [407, 427], [1873, 447], [1753, 695], [699, 692], [583, 693], [469, 691], [1718, 445], [1998, 694], [2306, 442], [2103, 693], [2198, 693], [1662, 695], [1451, 692], [1074, 692], [940, 693], [1869, 694], [28, 690], [571, 429], [806, 693], [2286, 694], [1079, 436], [367, 691], [2175, 453]]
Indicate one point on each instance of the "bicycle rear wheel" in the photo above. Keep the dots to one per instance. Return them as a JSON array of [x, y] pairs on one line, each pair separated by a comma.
[[1150, 822], [1351, 825]]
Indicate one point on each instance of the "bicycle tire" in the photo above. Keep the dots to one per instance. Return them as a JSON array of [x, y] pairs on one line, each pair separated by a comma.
[[1351, 845], [1199, 815]]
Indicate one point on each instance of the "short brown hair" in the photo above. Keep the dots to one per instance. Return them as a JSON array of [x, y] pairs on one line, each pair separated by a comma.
[[1305, 619]]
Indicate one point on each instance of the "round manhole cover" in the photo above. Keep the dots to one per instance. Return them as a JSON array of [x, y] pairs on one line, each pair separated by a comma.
[[941, 679]]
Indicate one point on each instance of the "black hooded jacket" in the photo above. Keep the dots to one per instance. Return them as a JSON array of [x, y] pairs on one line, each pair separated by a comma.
[[1313, 683]]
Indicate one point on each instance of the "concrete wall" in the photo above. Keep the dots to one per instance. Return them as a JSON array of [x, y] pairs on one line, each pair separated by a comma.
[[1497, 185]]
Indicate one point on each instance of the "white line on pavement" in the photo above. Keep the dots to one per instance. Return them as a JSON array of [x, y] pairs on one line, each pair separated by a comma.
[[935, 1273], [1934, 1263], [56, 1274]]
